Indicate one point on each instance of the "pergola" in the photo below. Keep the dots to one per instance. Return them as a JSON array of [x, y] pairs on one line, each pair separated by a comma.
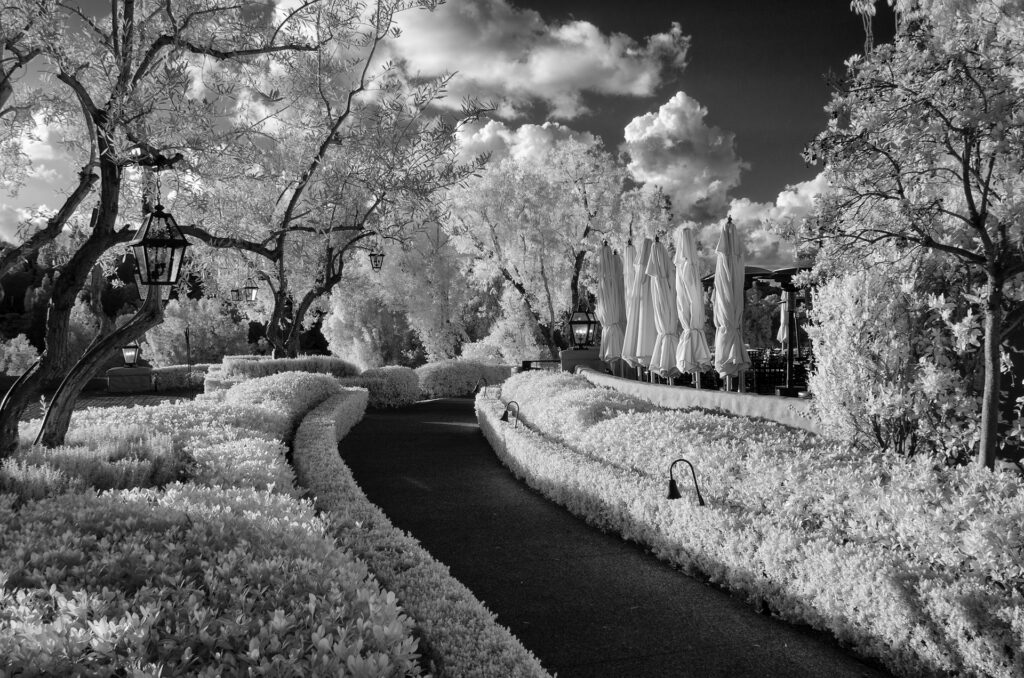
[[783, 276]]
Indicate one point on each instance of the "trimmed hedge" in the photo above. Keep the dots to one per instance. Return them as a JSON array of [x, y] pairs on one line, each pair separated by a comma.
[[389, 387], [456, 378]]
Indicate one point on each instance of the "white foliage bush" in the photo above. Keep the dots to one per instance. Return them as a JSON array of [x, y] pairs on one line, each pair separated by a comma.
[[453, 378], [914, 564], [246, 367], [17, 355], [390, 387], [884, 371]]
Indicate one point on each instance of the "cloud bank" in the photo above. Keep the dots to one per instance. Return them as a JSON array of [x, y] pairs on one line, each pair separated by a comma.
[[525, 143], [517, 59]]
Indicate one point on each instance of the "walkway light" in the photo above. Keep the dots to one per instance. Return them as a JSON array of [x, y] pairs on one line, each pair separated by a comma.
[[130, 353], [504, 415], [159, 248], [673, 489], [582, 328]]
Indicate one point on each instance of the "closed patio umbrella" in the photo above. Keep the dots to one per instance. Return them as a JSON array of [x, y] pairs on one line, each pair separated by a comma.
[[730, 354], [693, 353], [611, 305], [783, 333], [640, 331], [666, 319]]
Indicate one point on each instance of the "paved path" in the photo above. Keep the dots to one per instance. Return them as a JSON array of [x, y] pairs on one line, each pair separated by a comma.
[[586, 603]]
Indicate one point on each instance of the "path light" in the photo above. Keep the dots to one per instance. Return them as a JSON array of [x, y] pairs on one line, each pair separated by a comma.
[[583, 327], [130, 353], [159, 248], [673, 489], [504, 415]]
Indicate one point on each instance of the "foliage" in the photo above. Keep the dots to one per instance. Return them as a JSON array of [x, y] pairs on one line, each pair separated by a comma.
[[456, 378], [514, 336], [924, 152], [314, 363], [16, 355], [907, 562], [888, 370], [389, 387], [213, 333], [178, 377], [462, 637], [361, 327]]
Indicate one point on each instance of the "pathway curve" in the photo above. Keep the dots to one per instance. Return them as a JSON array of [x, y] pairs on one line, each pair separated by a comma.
[[586, 603]]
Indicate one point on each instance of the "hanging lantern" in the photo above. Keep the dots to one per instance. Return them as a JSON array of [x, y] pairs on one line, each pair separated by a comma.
[[582, 328], [159, 248], [130, 353], [236, 294], [249, 290], [376, 260]]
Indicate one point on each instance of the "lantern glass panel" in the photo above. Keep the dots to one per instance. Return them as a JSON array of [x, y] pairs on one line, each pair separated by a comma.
[[130, 353]]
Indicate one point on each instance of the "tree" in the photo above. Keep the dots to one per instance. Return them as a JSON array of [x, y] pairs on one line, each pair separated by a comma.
[[134, 89], [359, 156], [925, 150], [533, 221]]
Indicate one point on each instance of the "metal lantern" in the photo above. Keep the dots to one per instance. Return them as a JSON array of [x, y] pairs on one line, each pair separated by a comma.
[[249, 290], [236, 294], [376, 259], [159, 248], [130, 353], [583, 328]]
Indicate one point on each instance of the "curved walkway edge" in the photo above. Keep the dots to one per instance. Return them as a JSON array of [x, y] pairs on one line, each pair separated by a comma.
[[586, 603]]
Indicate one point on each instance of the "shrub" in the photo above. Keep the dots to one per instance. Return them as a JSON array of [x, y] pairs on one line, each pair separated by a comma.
[[885, 372], [17, 355], [177, 377], [249, 368], [454, 378], [391, 386], [213, 332]]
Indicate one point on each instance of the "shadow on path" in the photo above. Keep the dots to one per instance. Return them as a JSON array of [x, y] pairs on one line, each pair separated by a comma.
[[586, 603]]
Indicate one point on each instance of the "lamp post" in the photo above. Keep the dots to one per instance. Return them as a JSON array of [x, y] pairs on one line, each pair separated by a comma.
[[582, 329]]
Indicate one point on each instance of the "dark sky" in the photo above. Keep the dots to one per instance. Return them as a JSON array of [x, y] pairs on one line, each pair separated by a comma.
[[758, 67]]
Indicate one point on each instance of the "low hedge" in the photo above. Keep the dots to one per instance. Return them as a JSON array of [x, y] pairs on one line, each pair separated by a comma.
[[390, 387], [456, 378], [178, 377], [462, 637], [246, 366]]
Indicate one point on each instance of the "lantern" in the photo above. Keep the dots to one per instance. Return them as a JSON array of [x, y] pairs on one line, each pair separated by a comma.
[[236, 295], [377, 259], [583, 328], [159, 248], [130, 353], [249, 290]]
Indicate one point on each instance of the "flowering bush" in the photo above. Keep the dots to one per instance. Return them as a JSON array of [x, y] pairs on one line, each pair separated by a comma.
[[227, 574], [17, 355], [246, 367], [463, 636], [391, 386], [915, 565], [886, 372], [454, 378]]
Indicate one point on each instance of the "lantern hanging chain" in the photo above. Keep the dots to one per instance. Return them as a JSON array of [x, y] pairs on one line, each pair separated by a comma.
[[156, 180]]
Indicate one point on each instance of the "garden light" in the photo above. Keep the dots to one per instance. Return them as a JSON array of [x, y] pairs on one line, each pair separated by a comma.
[[504, 415], [159, 248], [130, 353], [673, 489], [583, 327]]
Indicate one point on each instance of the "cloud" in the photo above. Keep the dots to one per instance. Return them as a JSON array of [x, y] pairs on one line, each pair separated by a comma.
[[524, 143], [514, 57], [757, 222], [694, 163]]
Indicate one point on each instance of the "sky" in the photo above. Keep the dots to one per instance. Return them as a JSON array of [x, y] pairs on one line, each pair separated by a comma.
[[711, 99]]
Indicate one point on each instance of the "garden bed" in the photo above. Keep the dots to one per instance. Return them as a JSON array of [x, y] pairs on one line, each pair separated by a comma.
[[916, 565]]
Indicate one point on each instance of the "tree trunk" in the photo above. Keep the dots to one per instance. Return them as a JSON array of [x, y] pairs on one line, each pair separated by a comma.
[[990, 360], [58, 414]]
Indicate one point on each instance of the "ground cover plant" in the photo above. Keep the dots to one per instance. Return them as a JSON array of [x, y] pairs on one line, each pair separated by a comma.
[[907, 560], [226, 572]]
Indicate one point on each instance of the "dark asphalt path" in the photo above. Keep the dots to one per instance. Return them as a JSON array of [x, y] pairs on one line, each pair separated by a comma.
[[586, 603]]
